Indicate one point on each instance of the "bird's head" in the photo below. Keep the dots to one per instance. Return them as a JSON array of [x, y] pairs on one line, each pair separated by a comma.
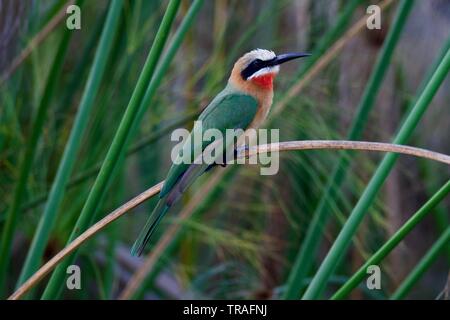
[[259, 67]]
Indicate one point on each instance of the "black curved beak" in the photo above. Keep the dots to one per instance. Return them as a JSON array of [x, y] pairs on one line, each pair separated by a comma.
[[282, 58]]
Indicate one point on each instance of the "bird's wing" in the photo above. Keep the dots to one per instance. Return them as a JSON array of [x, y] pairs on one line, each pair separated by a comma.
[[231, 111]]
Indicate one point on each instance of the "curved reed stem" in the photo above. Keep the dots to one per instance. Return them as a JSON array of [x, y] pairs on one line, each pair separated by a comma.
[[166, 241], [389, 245], [282, 146]]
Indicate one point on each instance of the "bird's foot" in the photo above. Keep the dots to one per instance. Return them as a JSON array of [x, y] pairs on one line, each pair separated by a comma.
[[225, 162], [246, 149], [212, 165]]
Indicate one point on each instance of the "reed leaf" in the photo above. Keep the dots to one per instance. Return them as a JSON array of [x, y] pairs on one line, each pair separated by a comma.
[[344, 238], [401, 233], [28, 155], [87, 214], [422, 266], [91, 89], [310, 244]]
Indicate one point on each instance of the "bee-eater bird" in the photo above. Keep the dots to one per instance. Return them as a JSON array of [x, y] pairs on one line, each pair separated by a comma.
[[243, 104]]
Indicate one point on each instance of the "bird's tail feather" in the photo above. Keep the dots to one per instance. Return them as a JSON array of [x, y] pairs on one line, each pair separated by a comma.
[[192, 173], [150, 226]]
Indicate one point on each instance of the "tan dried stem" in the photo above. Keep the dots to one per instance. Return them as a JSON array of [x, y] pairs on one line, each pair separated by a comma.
[[186, 213]]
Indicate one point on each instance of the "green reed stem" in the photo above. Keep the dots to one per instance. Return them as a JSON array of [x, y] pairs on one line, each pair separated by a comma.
[[401, 233], [311, 243], [117, 147], [344, 238], [423, 265], [91, 89]]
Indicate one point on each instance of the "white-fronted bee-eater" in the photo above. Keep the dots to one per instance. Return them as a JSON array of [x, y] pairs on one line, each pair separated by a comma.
[[243, 104]]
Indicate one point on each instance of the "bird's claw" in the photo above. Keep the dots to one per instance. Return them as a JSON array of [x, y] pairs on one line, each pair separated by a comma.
[[225, 163]]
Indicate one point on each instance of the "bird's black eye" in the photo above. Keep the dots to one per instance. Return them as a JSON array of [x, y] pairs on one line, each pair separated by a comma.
[[256, 64], [253, 67]]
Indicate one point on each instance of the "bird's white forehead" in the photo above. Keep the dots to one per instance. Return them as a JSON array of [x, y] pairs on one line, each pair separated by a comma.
[[262, 54]]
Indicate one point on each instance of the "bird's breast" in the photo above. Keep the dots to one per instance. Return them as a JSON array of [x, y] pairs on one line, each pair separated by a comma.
[[265, 102], [264, 81]]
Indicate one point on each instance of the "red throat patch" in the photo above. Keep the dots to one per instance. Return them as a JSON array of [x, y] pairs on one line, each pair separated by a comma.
[[264, 81]]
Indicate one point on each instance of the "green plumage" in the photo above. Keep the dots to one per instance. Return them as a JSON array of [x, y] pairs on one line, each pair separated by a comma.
[[230, 109]]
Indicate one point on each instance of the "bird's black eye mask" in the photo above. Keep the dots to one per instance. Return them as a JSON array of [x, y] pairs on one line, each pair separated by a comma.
[[253, 67]]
